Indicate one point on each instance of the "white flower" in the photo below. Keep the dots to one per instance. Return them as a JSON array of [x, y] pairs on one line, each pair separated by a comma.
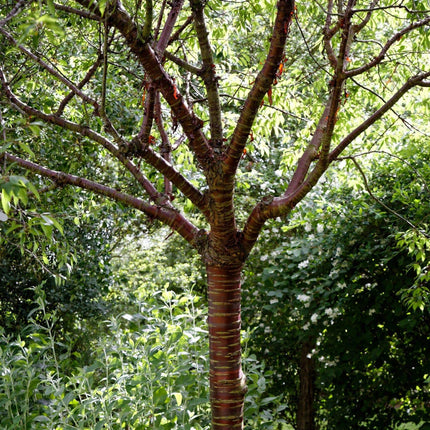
[[303, 264], [314, 318], [278, 173], [306, 326], [320, 228], [303, 298], [372, 311], [308, 227], [267, 329], [329, 312], [273, 301], [264, 257]]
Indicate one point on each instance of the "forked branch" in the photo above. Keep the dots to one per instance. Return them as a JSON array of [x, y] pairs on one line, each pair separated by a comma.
[[280, 206], [148, 59], [417, 80], [153, 159], [395, 38]]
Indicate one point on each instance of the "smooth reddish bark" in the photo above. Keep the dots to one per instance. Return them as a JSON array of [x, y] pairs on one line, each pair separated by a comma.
[[227, 381]]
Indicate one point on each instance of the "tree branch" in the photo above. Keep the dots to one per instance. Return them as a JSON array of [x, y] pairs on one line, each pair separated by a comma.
[[179, 31], [310, 154], [80, 85], [146, 31], [163, 41], [160, 19], [328, 35], [74, 11], [149, 87], [165, 147], [166, 215], [327, 124], [208, 73], [148, 113], [261, 86], [358, 27], [146, 56], [281, 206], [410, 83], [387, 46], [49, 69], [181, 63], [84, 131], [380, 202], [15, 11], [319, 146]]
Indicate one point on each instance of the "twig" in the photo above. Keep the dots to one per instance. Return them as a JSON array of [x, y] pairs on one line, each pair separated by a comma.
[[15, 10], [387, 208]]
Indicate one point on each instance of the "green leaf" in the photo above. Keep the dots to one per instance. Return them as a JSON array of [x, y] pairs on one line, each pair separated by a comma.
[[5, 201], [51, 23], [4, 147], [160, 396], [68, 398], [51, 7], [33, 189], [26, 148], [102, 6], [178, 398], [45, 258], [41, 419]]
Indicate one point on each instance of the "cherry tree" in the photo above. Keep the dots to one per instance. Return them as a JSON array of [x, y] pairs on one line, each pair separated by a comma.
[[156, 105]]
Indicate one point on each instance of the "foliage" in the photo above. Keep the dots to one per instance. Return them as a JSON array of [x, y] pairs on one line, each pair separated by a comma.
[[348, 299], [147, 369], [72, 260], [145, 372]]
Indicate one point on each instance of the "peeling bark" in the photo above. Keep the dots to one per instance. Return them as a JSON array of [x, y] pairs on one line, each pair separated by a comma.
[[227, 381]]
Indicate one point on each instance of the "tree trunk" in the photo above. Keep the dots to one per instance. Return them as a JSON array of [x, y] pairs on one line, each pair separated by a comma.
[[305, 407], [227, 381]]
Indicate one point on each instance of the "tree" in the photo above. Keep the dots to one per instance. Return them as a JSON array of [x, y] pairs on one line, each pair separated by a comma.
[[204, 74]]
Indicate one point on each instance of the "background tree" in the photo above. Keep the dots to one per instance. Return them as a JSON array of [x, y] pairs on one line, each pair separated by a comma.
[[346, 324], [200, 101]]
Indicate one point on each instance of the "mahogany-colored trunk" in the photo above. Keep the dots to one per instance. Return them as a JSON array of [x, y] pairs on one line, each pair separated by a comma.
[[227, 381]]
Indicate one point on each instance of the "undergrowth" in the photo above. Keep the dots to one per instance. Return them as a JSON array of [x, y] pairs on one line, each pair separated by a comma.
[[147, 369]]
